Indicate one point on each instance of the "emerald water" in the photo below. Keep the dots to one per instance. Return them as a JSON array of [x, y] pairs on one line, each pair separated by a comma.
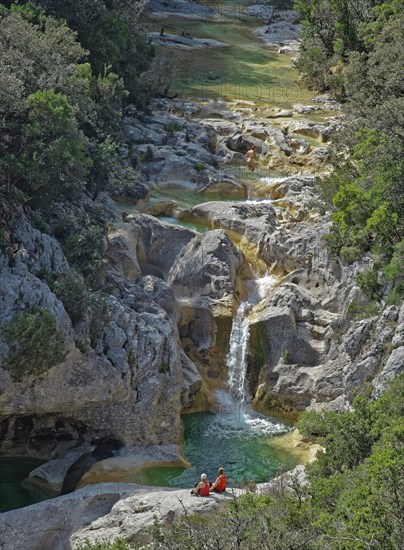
[[240, 441], [15, 493]]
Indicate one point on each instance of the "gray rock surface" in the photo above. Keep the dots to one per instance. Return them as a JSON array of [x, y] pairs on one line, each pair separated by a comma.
[[52, 474], [180, 8], [184, 42], [131, 384], [106, 511]]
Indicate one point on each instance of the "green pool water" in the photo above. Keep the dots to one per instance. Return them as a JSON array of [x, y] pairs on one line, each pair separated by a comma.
[[15, 493], [241, 442]]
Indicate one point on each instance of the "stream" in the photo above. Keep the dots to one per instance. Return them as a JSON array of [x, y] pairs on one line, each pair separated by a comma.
[[253, 76], [233, 435]]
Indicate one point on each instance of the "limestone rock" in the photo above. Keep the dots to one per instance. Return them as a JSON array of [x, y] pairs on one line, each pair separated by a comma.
[[52, 474], [160, 243], [180, 8], [184, 42]]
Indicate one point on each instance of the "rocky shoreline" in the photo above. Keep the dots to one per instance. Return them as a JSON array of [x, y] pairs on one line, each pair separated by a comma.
[[106, 511]]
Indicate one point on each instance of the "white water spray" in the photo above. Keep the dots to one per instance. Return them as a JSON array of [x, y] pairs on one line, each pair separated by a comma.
[[236, 358], [239, 337]]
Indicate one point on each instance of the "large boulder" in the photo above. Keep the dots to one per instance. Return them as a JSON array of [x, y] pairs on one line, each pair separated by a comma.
[[205, 279]]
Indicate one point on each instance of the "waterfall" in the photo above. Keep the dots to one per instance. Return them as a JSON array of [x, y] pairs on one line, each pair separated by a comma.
[[237, 356], [240, 332]]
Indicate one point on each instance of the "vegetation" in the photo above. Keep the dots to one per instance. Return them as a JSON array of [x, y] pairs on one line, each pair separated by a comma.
[[61, 100], [117, 544], [354, 50], [355, 500], [69, 287], [35, 343]]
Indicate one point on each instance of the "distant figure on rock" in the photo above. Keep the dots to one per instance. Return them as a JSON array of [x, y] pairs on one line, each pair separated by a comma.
[[202, 488], [250, 158], [219, 486], [162, 31]]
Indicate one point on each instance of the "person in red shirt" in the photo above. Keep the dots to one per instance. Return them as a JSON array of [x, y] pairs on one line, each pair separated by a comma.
[[219, 485], [202, 488]]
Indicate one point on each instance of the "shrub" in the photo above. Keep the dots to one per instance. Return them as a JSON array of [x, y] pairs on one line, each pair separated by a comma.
[[199, 166], [369, 284], [172, 127], [147, 156], [363, 311], [69, 287], [117, 544], [164, 367], [98, 316], [35, 343]]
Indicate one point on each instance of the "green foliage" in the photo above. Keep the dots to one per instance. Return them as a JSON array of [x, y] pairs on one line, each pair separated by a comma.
[[368, 282], [356, 47], [112, 34], [69, 287], [117, 544], [98, 316], [285, 355], [147, 156], [199, 166], [82, 235], [318, 424], [396, 296], [61, 117], [395, 268], [354, 499], [164, 367], [53, 158], [172, 127], [131, 358], [363, 310], [35, 343]]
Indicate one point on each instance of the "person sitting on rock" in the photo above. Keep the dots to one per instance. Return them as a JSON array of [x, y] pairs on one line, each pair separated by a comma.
[[219, 486], [202, 488]]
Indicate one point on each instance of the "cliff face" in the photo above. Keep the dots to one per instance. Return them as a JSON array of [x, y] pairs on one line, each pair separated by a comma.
[[128, 383]]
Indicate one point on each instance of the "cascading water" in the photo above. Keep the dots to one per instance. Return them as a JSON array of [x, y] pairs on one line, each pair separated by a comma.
[[236, 358], [239, 337], [236, 418]]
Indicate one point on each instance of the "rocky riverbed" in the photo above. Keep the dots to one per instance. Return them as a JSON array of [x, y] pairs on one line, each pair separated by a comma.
[[180, 252]]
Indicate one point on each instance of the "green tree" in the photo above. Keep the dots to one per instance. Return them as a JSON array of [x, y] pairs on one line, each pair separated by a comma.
[[36, 344], [53, 159]]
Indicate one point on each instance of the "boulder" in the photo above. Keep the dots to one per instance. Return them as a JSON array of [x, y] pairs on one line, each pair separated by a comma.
[[159, 242], [52, 474]]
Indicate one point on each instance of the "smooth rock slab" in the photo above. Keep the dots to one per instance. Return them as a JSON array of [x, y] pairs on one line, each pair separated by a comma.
[[52, 474], [184, 42]]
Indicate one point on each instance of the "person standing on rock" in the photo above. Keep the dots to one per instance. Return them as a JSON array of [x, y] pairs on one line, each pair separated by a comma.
[[202, 488], [219, 486], [250, 158]]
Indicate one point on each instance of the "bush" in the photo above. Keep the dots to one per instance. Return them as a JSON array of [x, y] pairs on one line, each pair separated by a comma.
[[117, 544], [363, 311], [368, 282], [35, 343], [82, 236], [69, 287], [98, 316], [199, 166]]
